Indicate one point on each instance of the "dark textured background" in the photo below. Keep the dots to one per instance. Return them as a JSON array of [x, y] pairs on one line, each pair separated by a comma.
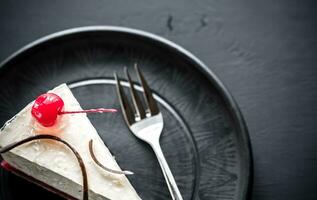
[[265, 52]]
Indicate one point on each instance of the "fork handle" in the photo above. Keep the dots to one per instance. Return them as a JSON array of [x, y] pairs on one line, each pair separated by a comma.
[[171, 183]]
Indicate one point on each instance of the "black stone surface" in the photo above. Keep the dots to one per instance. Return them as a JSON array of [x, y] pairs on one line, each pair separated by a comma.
[[264, 51]]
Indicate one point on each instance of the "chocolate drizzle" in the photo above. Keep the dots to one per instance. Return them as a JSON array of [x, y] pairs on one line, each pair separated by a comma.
[[101, 165], [51, 137]]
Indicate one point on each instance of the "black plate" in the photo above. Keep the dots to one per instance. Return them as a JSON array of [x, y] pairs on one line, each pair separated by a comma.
[[205, 139]]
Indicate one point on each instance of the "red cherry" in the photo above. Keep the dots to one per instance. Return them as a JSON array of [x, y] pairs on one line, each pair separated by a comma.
[[46, 108]]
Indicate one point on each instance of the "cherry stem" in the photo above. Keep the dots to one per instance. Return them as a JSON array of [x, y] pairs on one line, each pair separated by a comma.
[[98, 110]]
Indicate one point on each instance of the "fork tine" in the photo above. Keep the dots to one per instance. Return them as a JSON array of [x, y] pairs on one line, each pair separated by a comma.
[[125, 105], [151, 103], [135, 98]]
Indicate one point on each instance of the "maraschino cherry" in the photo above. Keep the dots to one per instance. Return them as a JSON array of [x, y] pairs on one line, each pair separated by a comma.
[[48, 106]]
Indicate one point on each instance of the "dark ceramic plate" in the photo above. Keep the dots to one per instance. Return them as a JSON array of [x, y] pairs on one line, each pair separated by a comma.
[[205, 139]]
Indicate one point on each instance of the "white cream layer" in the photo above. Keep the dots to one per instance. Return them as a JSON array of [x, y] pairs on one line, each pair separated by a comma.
[[53, 157]]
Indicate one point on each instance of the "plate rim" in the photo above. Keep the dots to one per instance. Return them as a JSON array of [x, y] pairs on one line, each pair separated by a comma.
[[199, 65]]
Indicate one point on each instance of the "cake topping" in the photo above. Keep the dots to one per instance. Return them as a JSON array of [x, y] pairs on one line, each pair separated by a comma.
[[48, 106], [92, 154]]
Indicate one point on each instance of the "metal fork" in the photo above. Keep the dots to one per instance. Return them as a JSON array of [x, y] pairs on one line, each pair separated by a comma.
[[146, 125]]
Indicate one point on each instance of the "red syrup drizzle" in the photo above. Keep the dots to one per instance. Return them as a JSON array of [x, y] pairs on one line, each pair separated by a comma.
[[48, 106], [6, 166]]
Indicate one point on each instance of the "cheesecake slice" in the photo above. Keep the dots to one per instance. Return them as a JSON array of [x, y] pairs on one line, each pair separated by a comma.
[[53, 164]]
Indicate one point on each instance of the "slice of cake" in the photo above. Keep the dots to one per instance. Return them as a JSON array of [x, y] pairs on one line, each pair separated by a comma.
[[55, 165]]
